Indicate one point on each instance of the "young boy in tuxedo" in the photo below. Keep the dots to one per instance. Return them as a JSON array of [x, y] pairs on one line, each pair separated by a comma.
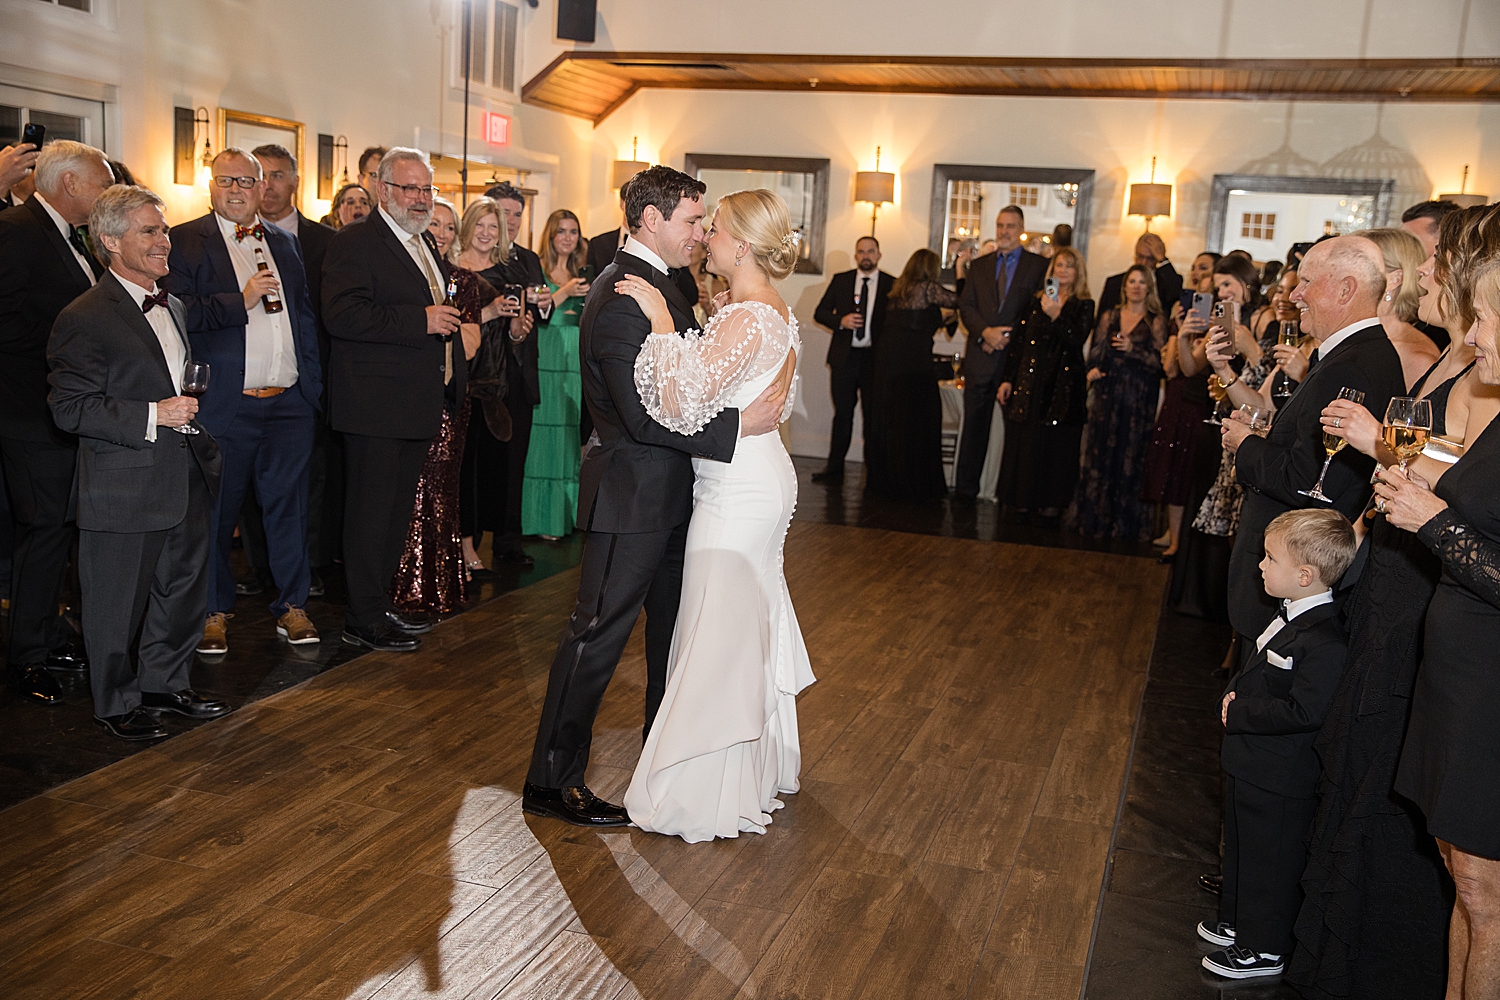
[[1272, 712]]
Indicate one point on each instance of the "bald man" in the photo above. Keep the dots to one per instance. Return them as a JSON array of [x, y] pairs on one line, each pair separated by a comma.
[[1342, 281], [1150, 252]]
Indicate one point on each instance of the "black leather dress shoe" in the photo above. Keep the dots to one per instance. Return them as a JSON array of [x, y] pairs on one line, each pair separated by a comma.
[[517, 558], [137, 725], [315, 587], [35, 683], [68, 657], [410, 622], [249, 588], [185, 702], [385, 639], [578, 806], [1211, 882], [828, 476]]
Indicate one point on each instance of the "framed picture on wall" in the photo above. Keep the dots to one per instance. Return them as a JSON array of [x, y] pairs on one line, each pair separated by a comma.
[[247, 131]]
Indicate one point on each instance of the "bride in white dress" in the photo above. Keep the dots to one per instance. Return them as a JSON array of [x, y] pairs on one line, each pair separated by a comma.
[[724, 743]]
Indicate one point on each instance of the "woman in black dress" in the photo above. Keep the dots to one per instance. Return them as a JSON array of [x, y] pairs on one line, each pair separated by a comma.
[[904, 429], [1452, 752], [1375, 884], [1045, 394], [1124, 374]]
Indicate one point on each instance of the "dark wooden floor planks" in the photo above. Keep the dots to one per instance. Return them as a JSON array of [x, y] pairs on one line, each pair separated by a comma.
[[360, 835]]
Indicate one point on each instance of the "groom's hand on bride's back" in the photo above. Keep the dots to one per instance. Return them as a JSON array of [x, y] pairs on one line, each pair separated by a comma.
[[763, 415]]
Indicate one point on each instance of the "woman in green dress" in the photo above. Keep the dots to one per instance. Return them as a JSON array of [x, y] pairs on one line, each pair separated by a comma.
[[549, 498]]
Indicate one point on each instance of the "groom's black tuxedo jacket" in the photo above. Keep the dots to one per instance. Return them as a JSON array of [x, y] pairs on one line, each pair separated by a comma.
[[637, 475], [1277, 712]]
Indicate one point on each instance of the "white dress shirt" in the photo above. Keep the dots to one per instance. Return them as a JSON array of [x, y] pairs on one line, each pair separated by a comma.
[[1327, 346], [420, 256], [67, 231], [172, 348], [1292, 609], [636, 248], [287, 225], [865, 285], [270, 352]]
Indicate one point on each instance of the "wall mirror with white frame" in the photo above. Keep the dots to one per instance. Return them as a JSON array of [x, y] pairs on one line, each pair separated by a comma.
[[966, 198], [1266, 215], [801, 182]]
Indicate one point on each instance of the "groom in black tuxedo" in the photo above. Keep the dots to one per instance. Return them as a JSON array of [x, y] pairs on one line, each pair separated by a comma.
[[635, 498]]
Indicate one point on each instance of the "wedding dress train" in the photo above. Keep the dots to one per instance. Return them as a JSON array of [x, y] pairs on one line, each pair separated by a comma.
[[724, 742]]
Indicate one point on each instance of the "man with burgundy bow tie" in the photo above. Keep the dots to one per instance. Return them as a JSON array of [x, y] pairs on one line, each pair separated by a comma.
[[147, 473], [256, 330]]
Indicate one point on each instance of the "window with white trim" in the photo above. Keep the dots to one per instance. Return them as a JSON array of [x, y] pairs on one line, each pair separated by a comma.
[[1258, 225], [494, 33]]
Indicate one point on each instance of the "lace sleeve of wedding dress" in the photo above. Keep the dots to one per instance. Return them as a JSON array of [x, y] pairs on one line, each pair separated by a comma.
[[686, 380], [1471, 558]]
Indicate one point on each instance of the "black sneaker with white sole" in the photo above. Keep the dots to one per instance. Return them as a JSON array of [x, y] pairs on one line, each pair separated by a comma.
[[1216, 932], [1235, 962]]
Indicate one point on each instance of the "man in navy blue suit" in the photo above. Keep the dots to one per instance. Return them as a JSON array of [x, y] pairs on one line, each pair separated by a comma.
[[256, 330]]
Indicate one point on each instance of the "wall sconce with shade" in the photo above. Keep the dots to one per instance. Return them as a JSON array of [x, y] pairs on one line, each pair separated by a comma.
[[1150, 200], [877, 187], [341, 158], [622, 170], [1463, 199]]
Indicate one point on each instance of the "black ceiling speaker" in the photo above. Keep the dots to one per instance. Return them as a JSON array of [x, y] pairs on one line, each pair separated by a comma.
[[575, 20]]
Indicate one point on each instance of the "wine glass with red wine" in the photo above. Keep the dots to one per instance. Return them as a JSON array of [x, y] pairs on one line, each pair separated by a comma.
[[195, 384]]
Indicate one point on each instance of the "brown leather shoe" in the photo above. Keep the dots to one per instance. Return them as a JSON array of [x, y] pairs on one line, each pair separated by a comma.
[[296, 628], [215, 634]]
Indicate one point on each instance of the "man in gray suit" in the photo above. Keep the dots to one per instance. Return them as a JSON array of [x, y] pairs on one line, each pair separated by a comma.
[[147, 473]]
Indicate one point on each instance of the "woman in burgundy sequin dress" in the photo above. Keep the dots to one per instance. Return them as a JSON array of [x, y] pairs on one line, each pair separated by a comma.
[[432, 576]]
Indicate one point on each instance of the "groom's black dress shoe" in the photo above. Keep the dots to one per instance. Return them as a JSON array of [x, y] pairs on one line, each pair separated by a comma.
[[578, 806]]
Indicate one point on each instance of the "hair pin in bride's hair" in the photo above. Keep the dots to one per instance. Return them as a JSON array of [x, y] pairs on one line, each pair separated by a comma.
[[791, 239]]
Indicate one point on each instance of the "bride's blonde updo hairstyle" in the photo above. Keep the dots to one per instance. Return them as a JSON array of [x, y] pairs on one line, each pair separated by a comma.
[[760, 218]]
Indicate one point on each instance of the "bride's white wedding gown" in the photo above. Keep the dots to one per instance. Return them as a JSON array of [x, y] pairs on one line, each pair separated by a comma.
[[725, 740]]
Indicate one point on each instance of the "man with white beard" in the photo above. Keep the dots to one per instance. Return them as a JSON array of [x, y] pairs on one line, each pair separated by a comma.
[[391, 366]]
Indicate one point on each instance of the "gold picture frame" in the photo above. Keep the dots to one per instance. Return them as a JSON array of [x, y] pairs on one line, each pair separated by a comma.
[[247, 130]]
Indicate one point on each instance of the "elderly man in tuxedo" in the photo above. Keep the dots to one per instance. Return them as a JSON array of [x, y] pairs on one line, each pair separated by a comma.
[[1342, 281], [393, 358], [147, 472], [45, 263], [853, 307], [1150, 252], [278, 207], [1000, 285], [249, 317]]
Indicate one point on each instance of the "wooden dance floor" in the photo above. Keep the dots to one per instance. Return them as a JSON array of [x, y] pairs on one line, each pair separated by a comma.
[[361, 835]]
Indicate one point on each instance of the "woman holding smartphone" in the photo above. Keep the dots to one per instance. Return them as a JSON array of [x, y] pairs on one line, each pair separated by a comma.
[[549, 495]]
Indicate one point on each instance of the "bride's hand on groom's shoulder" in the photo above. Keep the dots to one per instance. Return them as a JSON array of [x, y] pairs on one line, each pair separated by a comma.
[[650, 299]]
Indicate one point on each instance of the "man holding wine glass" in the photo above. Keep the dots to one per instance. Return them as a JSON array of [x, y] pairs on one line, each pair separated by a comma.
[[1341, 282], [118, 356]]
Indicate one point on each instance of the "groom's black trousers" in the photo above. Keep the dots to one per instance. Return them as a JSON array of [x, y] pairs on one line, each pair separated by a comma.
[[620, 574]]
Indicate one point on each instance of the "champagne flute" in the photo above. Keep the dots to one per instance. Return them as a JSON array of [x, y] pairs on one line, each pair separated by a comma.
[[1218, 394], [1281, 389], [1332, 445], [1408, 424], [956, 361], [195, 384]]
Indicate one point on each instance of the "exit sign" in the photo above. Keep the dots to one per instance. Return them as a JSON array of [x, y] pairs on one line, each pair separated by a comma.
[[496, 129]]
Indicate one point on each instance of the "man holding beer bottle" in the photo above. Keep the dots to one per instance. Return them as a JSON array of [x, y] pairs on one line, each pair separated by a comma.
[[249, 317]]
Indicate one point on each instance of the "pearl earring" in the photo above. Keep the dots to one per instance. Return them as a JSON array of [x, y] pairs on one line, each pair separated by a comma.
[[1388, 296]]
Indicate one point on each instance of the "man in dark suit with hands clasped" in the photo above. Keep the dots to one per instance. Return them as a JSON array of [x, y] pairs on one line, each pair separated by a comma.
[[1000, 286], [635, 496], [853, 307]]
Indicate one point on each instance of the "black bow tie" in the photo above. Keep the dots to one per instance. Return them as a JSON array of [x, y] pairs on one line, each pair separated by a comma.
[[1312, 360], [159, 299]]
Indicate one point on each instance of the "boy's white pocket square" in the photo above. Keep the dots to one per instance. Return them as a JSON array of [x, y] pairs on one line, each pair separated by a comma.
[[1279, 661]]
